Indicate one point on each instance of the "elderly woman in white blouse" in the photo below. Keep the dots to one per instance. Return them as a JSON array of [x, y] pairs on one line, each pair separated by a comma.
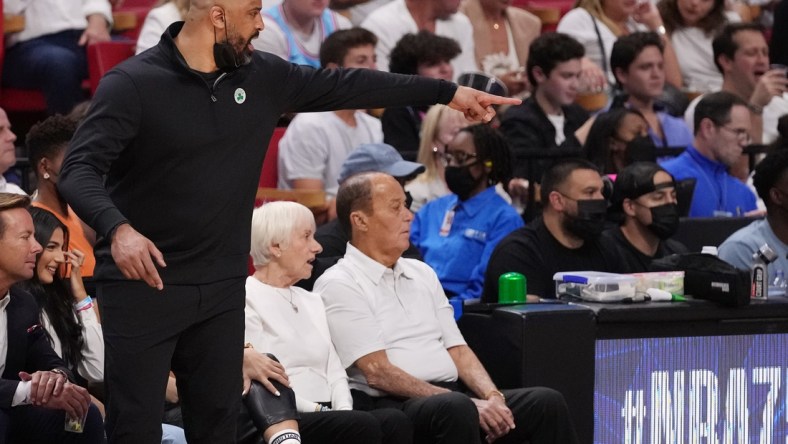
[[290, 323]]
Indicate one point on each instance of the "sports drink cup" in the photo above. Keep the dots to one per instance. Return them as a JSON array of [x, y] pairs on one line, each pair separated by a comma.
[[512, 287]]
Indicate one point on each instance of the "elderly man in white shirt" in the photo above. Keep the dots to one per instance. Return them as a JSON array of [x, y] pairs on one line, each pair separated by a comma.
[[49, 53], [394, 331]]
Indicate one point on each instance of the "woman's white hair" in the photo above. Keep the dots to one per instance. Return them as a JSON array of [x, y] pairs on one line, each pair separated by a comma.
[[274, 224]]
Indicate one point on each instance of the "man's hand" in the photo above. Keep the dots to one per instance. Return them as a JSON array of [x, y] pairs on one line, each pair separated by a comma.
[[477, 105], [97, 30], [772, 83], [171, 393], [43, 385], [133, 254], [495, 417], [74, 400], [259, 367]]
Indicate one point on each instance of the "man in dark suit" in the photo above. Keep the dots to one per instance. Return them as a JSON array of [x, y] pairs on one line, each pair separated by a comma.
[[36, 395]]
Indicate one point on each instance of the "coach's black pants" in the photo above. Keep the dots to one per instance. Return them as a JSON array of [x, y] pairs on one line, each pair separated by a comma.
[[195, 330]]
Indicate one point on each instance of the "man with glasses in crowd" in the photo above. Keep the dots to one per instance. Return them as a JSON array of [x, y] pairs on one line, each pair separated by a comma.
[[722, 130]]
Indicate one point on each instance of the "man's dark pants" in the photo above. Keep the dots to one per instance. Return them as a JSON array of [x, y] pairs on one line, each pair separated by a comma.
[[541, 416], [195, 330]]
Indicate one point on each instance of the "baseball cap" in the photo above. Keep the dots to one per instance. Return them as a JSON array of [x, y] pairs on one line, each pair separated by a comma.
[[636, 180], [378, 157]]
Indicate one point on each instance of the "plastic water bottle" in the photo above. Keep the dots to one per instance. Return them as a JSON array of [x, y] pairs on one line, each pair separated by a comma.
[[759, 278]]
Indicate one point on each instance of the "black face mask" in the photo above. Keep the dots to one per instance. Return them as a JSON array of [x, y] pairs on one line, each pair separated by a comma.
[[640, 149], [460, 181], [590, 219], [664, 220], [225, 56]]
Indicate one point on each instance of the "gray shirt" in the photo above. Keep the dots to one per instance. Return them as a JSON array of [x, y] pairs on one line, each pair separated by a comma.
[[741, 245]]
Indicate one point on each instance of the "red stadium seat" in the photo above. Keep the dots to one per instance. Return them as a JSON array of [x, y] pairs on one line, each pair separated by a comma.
[[130, 16], [270, 173], [13, 99], [105, 55]]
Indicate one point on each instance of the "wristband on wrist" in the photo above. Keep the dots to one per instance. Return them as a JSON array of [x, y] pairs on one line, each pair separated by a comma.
[[756, 109], [84, 304]]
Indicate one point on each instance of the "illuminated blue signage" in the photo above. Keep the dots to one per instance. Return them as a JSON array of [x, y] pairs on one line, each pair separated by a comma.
[[716, 389]]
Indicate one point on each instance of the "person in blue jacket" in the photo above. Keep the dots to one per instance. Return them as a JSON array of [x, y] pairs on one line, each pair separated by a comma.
[[457, 233]]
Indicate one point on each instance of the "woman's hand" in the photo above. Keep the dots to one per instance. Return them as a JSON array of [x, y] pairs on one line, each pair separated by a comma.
[[647, 14], [76, 259], [592, 78], [259, 367]]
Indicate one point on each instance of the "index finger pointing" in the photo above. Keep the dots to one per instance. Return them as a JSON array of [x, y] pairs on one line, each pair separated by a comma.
[[490, 99]]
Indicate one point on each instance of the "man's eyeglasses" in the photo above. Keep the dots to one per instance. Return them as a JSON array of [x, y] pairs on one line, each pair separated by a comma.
[[741, 134], [456, 158]]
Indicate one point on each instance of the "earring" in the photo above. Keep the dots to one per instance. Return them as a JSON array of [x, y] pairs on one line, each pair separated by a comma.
[[46, 175]]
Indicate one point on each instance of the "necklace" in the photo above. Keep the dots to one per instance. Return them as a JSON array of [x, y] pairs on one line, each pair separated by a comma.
[[496, 26], [279, 290], [290, 300]]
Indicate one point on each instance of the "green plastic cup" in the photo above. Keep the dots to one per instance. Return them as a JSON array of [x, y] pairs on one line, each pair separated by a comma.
[[512, 288]]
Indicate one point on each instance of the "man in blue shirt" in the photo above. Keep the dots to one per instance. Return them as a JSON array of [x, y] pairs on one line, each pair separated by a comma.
[[722, 130], [638, 64]]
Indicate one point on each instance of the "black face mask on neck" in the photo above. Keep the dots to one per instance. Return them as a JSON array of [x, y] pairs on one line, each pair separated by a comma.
[[590, 219], [460, 181], [225, 56], [664, 220]]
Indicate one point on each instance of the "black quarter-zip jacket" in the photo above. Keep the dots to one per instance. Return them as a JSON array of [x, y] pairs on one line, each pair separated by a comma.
[[179, 157]]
